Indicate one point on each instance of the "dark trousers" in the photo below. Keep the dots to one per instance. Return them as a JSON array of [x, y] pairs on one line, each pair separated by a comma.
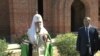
[[30, 49], [87, 54]]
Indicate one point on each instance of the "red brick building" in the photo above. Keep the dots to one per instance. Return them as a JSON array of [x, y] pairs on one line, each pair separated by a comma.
[[59, 16]]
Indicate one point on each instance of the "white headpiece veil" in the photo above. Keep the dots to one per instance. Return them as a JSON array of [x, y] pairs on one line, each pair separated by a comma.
[[32, 31]]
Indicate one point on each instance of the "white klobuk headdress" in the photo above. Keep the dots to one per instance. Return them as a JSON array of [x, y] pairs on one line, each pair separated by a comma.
[[32, 31]]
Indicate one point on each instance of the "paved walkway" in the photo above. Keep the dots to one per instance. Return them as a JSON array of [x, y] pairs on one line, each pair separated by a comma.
[[14, 50]]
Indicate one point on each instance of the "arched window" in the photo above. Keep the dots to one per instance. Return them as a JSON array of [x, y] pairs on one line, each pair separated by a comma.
[[77, 15]]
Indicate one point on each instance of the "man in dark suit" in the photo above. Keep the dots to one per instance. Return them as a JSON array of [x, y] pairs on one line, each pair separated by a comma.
[[87, 39]]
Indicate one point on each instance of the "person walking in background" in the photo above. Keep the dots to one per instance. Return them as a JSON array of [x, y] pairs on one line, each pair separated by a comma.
[[87, 39]]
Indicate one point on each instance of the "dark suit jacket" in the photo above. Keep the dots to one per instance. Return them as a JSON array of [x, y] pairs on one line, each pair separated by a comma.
[[82, 40]]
